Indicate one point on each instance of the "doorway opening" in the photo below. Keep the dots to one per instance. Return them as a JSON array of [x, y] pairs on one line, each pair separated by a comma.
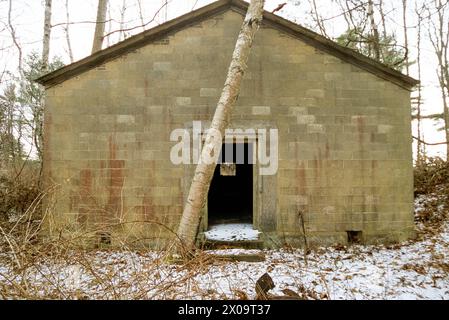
[[230, 198]]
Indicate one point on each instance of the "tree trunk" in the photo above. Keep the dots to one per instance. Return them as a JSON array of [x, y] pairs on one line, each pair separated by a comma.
[[142, 21], [440, 45], [67, 32], [15, 41], [319, 21], [99, 28], [375, 32], [122, 34], [420, 151], [199, 188], [47, 33], [404, 20]]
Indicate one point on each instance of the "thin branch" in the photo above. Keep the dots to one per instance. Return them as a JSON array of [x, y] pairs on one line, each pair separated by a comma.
[[67, 31], [83, 22], [318, 19], [122, 35], [142, 26], [430, 144], [14, 37], [139, 4], [345, 12], [194, 5]]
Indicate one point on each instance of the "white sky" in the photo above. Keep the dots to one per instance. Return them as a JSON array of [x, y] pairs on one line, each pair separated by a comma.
[[27, 17]]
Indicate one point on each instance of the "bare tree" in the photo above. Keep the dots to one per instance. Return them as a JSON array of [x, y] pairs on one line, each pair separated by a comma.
[[382, 17], [142, 21], [122, 34], [123, 30], [406, 47], [166, 10], [199, 188], [375, 32], [15, 40], [67, 31], [317, 18], [9, 149], [439, 37], [420, 147], [47, 34], [109, 21], [100, 25]]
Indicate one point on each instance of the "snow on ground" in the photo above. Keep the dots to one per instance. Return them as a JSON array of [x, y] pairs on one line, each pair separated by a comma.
[[413, 270], [232, 232]]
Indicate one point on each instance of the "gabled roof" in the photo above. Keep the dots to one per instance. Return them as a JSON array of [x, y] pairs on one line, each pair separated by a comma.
[[218, 7]]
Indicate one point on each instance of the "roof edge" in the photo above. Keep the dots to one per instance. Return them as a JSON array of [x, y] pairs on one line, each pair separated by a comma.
[[132, 43], [310, 37], [324, 44]]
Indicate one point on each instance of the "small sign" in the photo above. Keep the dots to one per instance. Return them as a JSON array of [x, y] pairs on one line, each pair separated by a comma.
[[228, 169]]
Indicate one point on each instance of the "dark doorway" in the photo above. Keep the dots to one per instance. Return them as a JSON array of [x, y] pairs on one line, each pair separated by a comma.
[[230, 198]]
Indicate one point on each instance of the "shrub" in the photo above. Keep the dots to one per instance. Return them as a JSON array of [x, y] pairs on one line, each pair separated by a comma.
[[18, 189], [431, 191]]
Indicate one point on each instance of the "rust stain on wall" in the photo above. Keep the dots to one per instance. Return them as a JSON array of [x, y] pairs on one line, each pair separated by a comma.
[[318, 167], [116, 167], [47, 153], [360, 130], [147, 86], [301, 174], [147, 208], [85, 196], [301, 178]]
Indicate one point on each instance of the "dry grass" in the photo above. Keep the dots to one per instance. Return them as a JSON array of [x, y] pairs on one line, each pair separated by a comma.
[[432, 193], [60, 269], [35, 268], [32, 267], [18, 188]]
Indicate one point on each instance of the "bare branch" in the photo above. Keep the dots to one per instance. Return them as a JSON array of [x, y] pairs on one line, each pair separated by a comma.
[[82, 22], [14, 37], [67, 31], [139, 4], [136, 27], [430, 144]]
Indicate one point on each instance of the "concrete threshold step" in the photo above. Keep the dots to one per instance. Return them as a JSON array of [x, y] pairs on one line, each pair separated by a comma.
[[241, 244]]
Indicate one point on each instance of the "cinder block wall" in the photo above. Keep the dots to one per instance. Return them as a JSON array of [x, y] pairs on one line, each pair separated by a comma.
[[345, 138]]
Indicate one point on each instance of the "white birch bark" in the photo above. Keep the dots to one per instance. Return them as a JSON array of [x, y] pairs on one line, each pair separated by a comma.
[[199, 188], [374, 30]]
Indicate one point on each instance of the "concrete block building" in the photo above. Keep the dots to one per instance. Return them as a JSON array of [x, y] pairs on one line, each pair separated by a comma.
[[344, 125]]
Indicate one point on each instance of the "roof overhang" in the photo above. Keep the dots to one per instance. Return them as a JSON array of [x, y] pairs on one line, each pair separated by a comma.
[[218, 7]]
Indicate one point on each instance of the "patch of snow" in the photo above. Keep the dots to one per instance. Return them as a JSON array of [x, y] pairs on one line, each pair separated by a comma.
[[232, 232], [234, 252], [412, 270]]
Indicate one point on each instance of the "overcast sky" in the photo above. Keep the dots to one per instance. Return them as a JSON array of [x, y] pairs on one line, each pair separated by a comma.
[[27, 17]]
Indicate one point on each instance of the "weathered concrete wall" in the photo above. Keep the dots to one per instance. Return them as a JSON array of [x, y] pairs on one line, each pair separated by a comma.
[[345, 138]]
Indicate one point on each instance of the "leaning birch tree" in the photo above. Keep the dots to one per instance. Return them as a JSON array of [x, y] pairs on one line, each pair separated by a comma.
[[100, 25], [191, 217]]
